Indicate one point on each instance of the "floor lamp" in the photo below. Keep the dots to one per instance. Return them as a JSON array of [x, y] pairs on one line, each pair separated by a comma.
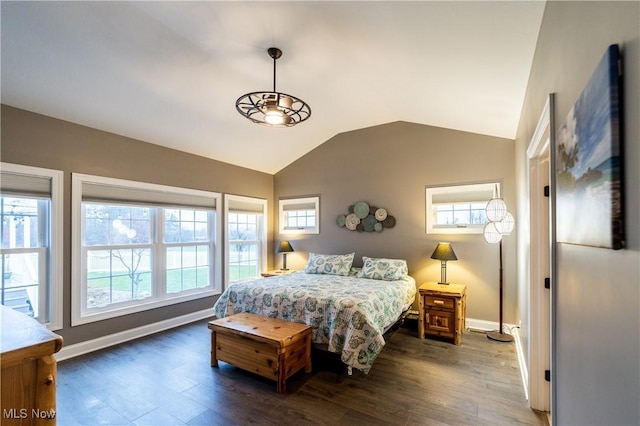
[[500, 223], [500, 336]]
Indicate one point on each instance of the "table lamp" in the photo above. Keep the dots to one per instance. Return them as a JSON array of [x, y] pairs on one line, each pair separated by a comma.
[[443, 253], [284, 248]]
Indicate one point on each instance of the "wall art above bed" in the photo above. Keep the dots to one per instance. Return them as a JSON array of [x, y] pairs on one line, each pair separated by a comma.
[[363, 217]]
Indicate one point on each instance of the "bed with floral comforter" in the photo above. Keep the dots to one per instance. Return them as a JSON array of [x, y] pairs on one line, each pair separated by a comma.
[[348, 314]]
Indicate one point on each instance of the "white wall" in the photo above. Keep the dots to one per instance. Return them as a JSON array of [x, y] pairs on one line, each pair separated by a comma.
[[597, 293]]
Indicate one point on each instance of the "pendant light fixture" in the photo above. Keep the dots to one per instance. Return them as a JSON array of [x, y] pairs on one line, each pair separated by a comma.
[[273, 109]]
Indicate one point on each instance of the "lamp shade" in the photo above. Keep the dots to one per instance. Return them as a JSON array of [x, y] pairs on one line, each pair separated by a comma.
[[496, 209], [444, 251], [491, 233], [284, 247], [505, 226]]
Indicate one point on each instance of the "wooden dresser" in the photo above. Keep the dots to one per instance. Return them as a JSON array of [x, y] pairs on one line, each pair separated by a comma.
[[28, 376], [442, 310]]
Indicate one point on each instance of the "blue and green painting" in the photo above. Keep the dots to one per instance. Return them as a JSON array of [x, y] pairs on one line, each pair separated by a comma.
[[589, 196]]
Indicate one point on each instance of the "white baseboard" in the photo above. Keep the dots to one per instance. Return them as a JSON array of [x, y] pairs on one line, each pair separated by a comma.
[[482, 325], [85, 347], [524, 371]]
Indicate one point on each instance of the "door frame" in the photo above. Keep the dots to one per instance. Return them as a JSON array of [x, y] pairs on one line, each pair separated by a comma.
[[541, 261]]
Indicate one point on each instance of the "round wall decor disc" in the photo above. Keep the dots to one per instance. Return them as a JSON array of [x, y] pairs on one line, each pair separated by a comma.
[[389, 222], [361, 209], [381, 214]]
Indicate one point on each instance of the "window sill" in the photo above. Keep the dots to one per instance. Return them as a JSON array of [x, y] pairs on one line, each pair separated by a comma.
[[114, 312]]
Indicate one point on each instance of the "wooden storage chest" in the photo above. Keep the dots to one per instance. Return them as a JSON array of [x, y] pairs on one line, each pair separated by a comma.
[[269, 347]]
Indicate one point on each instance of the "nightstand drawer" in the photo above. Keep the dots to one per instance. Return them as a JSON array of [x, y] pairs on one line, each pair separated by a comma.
[[440, 302]]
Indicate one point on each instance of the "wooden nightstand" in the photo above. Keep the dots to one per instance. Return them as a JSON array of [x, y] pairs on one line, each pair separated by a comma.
[[276, 272], [442, 310]]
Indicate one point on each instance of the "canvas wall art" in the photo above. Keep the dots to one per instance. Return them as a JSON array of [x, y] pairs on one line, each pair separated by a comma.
[[589, 163]]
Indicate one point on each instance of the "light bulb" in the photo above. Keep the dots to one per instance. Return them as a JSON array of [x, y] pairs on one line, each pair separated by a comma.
[[274, 116]]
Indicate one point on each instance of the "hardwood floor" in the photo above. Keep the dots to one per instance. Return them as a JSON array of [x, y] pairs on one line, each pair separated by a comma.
[[166, 379]]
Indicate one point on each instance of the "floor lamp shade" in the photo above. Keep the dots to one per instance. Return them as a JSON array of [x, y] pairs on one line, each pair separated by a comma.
[[443, 252], [496, 209], [284, 248]]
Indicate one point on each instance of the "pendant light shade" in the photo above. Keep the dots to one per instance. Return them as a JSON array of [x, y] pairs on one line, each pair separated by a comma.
[[273, 109]]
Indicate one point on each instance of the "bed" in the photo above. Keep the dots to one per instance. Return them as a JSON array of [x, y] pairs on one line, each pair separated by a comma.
[[348, 308]]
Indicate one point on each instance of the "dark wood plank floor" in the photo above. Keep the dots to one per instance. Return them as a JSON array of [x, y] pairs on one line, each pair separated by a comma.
[[165, 379]]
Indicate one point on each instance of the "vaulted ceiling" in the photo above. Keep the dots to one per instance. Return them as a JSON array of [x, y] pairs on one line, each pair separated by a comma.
[[169, 73]]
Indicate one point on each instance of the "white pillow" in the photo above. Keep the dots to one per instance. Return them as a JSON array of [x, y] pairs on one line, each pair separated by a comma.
[[332, 264], [383, 269]]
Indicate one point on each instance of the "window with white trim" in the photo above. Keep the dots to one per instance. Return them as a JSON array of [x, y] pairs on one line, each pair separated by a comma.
[[246, 219], [458, 209], [31, 247], [299, 215], [139, 246]]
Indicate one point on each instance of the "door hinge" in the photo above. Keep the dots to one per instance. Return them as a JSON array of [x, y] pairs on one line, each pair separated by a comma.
[[547, 375], [546, 191], [547, 283]]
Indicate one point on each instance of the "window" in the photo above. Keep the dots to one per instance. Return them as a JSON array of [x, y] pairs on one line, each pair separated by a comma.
[[31, 246], [458, 209], [246, 237], [141, 246], [299, 216]]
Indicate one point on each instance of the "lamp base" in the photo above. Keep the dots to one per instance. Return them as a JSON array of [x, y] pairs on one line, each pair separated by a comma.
[[443, 283], [499, 337], [284, 269]]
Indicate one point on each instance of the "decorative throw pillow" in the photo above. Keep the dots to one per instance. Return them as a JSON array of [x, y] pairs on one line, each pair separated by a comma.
[[332, 264], [383, 269]]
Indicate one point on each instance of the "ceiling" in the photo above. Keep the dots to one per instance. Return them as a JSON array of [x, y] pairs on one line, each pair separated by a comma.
[[169, 73]]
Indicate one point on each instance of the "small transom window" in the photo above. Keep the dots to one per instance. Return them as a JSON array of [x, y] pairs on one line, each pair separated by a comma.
[[299, 215], [458, 209]]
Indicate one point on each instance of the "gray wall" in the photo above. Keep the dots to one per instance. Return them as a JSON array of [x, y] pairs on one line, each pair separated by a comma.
[[597, 358], [36, 140], [389, 166]]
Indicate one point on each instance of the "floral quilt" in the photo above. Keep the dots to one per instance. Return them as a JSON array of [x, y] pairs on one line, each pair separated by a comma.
[[347, 313]]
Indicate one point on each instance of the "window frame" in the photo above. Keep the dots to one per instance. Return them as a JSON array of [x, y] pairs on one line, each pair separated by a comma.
[[289, 204], [80, 314], [467, 192], [262, 233], [53, 262]]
